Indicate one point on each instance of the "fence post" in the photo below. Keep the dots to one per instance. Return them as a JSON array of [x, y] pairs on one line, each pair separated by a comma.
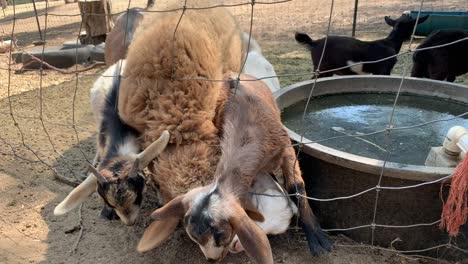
[[355, 17]]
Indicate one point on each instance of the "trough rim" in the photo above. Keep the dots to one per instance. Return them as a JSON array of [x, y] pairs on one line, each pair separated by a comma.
[[360, 163]]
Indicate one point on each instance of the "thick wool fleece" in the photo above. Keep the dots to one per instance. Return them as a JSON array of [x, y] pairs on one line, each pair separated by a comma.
[[206, 44]]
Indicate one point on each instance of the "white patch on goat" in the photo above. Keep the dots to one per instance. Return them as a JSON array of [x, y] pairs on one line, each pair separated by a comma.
[[277, 209], [129, 147], [211, 251], [358, 69]]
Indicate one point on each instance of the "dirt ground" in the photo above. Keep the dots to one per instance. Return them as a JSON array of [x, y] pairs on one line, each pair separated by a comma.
[[47, 130]]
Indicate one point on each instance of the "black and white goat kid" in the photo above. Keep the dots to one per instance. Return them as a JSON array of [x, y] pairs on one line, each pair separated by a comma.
[[119, 177], [343, 51]]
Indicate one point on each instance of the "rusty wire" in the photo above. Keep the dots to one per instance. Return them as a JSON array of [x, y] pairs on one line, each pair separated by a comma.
[[315, 74]]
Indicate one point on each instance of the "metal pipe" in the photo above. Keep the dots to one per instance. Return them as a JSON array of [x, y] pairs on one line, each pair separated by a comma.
[[37, 20], [355, 17]]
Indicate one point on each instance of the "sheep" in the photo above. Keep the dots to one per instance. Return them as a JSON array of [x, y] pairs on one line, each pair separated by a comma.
[[121, 162], [344, 51], [120, 37], [258, 66], [214, 213], [127, 25], [152, 99], [445, 63]]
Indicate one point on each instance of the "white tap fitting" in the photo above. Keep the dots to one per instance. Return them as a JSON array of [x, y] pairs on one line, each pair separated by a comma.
[[456, 141]]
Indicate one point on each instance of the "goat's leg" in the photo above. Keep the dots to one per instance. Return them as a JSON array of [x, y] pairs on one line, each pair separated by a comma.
[[438, 69], [327, 74], [451, 78], [419, 70], [317, 239], [438, 75]]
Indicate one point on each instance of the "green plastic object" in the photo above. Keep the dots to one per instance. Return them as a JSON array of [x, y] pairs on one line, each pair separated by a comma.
[[441, 20]]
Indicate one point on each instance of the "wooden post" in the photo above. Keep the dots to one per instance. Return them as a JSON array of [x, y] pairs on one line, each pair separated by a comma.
[[4, 4], [96, 17]]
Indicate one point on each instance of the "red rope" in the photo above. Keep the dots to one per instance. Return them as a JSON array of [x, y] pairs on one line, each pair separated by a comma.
[[455, 209]]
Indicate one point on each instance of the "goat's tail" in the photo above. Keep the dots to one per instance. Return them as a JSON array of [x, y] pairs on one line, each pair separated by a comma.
[[304, 39]]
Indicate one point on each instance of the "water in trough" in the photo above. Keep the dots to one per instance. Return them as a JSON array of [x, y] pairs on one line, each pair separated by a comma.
[[353, 113]]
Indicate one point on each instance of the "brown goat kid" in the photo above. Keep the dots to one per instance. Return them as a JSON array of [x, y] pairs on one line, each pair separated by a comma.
[[254, 142]]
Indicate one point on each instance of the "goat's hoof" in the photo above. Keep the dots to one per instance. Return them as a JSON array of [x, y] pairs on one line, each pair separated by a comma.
[[109, 213], [318, 241]]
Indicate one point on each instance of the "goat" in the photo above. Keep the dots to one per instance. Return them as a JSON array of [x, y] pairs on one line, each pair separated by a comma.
[[213, 214], [120, 37], [344, 51], [258, 66], [119, 178], [445, 63]]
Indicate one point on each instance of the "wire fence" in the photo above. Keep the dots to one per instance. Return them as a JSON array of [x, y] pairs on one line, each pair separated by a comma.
[[47, 121]]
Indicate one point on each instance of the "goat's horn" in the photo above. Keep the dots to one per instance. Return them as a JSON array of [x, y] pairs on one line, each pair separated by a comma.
[[153, 150], [101, 179], [135, 168]]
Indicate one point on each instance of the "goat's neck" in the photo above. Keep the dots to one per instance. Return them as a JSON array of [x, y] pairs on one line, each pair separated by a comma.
[[395, 40], [234, 183], [124, 148]]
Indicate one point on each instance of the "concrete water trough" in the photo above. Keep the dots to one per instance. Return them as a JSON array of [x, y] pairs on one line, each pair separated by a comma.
[[340, 169]]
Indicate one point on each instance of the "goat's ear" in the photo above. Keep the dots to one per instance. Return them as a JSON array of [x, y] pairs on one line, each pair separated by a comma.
[[153, 150], [422, 19], [77, 195], [251, 236], [156, 233], [173, 209], [253, 212], [166, 220], [390, 21]]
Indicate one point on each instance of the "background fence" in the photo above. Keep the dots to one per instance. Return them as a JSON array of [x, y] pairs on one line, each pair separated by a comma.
[[47, 127]]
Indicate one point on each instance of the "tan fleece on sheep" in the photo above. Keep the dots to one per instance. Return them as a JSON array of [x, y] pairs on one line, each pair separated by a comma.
[[207, 43]]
